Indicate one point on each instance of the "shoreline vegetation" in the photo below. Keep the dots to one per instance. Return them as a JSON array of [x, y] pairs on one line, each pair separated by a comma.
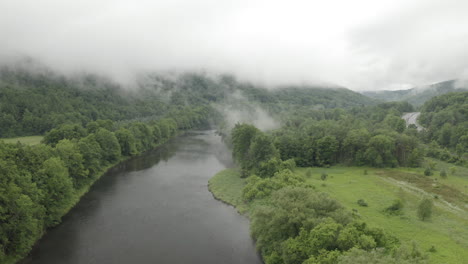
[[42, 182], [80, 193], [441, 240], [317, 203]]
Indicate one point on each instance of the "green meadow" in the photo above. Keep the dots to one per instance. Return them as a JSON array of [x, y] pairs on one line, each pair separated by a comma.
[[446, 231], [30, 140]]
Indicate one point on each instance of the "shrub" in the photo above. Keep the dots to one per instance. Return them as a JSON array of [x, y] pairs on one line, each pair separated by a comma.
[[428, 172], [362, 203], [395, 208], [323, 176], [443, 174], [365, 172], [453, 170], [425, 209]]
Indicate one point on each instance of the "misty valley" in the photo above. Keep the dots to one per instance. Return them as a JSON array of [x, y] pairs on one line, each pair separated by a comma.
[[96, 171], [233, 132]]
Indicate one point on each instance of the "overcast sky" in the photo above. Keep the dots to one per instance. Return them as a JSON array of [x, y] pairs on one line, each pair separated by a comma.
[[360, 44]]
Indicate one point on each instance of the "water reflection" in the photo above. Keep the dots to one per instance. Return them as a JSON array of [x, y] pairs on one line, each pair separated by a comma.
[[154, 209]]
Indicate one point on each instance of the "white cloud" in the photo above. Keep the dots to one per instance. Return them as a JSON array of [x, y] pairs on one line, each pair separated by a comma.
[[360, 44]]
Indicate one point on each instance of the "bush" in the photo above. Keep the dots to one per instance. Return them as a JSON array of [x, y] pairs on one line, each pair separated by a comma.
[[428, 172], [365, 172], [395, 208], [308, 173], [443, 174], [323, 176], [453, 170], [362, 203], [425, 209]]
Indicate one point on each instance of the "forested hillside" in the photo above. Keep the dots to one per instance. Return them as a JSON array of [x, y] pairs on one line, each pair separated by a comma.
[[446, 120], [419, 95], [32, 103]]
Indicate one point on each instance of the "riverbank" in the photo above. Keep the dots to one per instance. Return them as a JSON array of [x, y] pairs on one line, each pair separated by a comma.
[[226, 186], [78, 195], [153, 208], [445, 232]]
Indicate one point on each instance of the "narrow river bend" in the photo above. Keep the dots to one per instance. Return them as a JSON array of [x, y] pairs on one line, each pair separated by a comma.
[[155, 208]]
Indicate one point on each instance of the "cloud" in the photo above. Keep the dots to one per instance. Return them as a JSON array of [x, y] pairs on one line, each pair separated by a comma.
[[360, 44]]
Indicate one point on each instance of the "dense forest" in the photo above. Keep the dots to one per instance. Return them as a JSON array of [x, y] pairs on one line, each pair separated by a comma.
[[32, 103], [292, 222], [446, 120], [419, 95], [91, 123]]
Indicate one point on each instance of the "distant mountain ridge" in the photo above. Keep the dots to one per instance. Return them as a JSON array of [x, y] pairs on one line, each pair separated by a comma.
[[419, 95], [35, 99]]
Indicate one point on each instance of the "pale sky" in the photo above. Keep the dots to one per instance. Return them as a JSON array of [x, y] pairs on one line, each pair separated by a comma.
[[359, 44]]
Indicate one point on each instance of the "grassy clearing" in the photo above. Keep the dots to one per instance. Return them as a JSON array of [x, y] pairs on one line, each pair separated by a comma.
[[31, 140], [447, 229], [227, 186]]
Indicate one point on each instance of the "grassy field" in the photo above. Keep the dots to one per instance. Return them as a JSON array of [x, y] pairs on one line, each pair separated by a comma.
[[447, 230], [31, 140], [227, 187]]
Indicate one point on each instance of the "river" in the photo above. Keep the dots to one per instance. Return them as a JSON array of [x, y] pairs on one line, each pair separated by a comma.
[[155, 208]]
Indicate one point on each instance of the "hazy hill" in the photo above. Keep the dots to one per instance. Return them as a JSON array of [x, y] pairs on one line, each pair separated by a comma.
[[418, 95], [33, 102]]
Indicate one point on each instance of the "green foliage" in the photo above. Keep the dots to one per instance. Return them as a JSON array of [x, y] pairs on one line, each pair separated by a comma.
[[428, 172], [380, 256], [425, 209], [292, 209], [323, 176], [109, 145], [395, 208], [66, 131], [69, 153], [126, 141], [242, 136], [257, 187], [274, 165], [58, 190], [261, 150], [443, 174], [446, 122], [362, 203], [453, 170], [40, 183]]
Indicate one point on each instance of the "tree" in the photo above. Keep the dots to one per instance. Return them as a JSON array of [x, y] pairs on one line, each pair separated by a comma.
[[69, 153], [66, 131], [242, 135], [425, 209], [326, 150], [355, 144], [126, 142], [58, 190], [261, 150], [92, 154], [380, 151], [109, 145]]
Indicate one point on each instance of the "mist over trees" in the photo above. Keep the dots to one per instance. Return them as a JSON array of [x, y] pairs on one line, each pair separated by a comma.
[[90, 123]]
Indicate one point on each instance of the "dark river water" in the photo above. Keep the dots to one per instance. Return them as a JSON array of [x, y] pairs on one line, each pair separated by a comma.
[[155, 208]]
